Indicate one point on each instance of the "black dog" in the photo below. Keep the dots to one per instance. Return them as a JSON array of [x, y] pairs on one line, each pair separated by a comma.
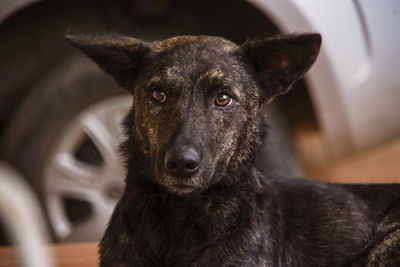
[[193, 196]]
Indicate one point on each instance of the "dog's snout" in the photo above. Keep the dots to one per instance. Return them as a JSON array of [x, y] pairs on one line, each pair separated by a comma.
[[182, 162]]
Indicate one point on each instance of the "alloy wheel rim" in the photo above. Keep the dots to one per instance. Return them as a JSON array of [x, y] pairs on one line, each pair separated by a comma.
[[81, 189]]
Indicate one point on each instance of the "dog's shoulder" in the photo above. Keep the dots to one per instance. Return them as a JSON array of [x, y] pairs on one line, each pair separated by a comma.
[[305, 199], [307, 188]]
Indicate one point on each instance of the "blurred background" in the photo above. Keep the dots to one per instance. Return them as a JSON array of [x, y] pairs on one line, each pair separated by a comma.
[[60, 115]]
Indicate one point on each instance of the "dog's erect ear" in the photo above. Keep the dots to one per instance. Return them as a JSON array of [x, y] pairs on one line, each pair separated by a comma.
[[280, 61], [119, 56]]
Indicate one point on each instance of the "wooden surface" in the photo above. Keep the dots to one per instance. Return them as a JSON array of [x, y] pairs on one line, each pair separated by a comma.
[[65, 255], [380, 164]]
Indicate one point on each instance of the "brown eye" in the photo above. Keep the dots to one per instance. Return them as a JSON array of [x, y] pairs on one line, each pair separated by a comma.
[[223, 100], [159, 96]]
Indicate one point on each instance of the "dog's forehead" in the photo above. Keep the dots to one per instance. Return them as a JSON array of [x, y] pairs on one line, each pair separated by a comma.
[[192, 58], [192, 43]]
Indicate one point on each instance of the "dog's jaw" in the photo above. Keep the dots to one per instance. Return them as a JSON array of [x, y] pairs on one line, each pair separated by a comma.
[[178, 186], [181, 189]]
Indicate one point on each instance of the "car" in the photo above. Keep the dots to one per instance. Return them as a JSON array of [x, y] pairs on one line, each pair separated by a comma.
[[60, 115]]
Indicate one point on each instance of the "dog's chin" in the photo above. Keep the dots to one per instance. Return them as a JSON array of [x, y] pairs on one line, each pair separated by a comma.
[[180, 187]]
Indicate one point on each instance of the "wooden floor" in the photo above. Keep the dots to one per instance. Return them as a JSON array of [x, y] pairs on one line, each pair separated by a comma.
[[380, 164], [65, 255]]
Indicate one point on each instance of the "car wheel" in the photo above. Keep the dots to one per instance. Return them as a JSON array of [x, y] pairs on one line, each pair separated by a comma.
[[65, 138]]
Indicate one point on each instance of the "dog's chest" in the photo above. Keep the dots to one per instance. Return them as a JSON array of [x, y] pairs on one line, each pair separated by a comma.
[[174, 229]]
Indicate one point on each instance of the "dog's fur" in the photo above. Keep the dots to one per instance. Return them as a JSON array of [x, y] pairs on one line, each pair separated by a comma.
[[224, 212]]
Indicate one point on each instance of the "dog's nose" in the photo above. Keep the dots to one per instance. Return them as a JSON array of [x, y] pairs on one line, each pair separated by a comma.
[[182, 162]]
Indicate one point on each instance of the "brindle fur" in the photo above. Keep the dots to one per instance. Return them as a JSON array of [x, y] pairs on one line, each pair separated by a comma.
[[228, 213]]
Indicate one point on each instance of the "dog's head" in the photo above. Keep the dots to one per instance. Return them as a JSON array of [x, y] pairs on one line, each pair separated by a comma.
[[197, 99]]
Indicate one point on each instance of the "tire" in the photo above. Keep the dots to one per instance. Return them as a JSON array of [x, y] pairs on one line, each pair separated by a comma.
[[59, 139]]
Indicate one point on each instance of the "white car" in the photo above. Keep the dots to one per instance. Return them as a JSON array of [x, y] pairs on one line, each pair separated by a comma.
[[60, 115]]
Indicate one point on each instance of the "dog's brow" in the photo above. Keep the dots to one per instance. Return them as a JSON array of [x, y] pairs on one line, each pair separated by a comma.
[[154, 80], [173, 74], [217, 76], [236, 92], [214, 73], [163, 81]]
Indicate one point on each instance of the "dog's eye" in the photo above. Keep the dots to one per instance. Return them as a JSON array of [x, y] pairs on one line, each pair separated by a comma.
[[223, 100], [159, 95]]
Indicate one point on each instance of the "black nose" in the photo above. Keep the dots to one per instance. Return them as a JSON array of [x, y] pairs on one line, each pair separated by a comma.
[[182, 162]]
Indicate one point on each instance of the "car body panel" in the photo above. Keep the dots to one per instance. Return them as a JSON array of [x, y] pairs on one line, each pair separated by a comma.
[[349, 83]]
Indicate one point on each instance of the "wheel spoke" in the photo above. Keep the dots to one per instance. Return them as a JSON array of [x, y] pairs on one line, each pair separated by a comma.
[[90, 230], [115, 125], [102, 133], [66, 168], [61, 186], [93, 227], [61, 225], [68, 177]]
